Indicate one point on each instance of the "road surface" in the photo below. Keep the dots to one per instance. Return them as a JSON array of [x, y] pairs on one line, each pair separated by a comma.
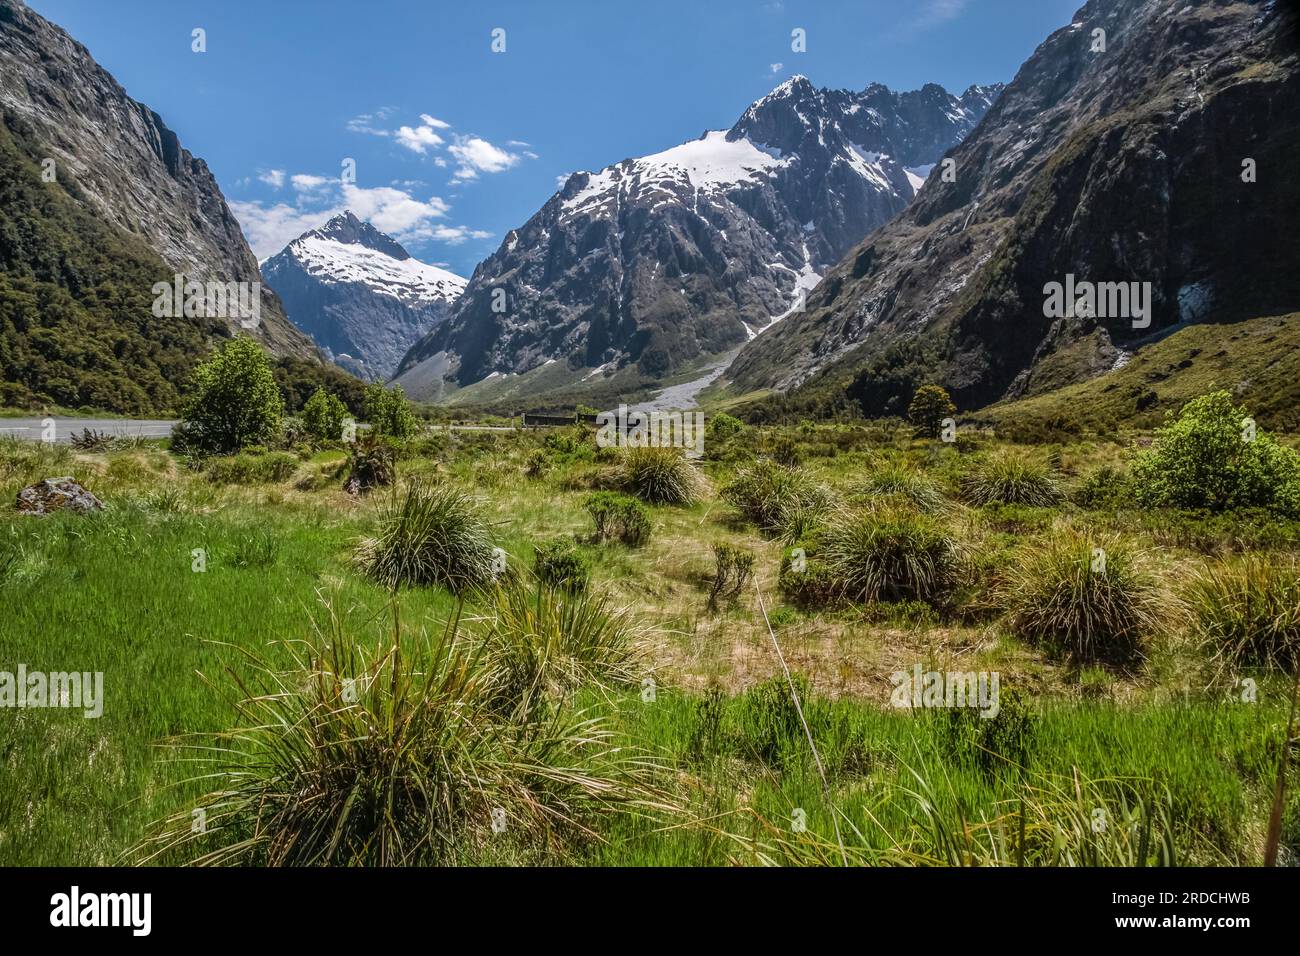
[[65, 428]]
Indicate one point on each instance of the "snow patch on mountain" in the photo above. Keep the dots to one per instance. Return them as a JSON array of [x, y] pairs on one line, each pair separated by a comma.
[[408, 280]]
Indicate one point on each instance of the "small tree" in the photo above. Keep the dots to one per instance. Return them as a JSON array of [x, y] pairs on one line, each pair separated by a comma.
[[930, 406], [1213, 457], [323, 416], [233, 399], [389, 412]]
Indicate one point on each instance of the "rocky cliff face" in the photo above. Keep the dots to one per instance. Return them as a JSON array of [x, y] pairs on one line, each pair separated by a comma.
[[656, 262], [124, 163], [359, 294], [1148, 141]]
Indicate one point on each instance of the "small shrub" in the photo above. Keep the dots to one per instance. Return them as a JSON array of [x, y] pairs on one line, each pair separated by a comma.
[[1209, 458], [733, 567], [1104, 488], [930, 406], [785, 452], [807, 581], [662, 476], [891, 556], [91, 441], [618, 516], [431, 536], [1001, 743], [722, 426], [389, 413], [1011, 479], [1247, 611], [234, 400], [537, 464], [558, 564], [1089, 604], [371, 464], [324, 416]]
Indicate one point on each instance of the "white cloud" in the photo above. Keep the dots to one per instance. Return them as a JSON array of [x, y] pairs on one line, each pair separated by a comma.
[[476, 155], [270, 227], [428, 120], [272, 177], [304, 182], [418, 139], [776, 67], [369, 123], [935, 12]]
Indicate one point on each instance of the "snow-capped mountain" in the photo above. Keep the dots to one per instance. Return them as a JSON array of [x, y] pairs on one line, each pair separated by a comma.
[[656, 262], [359, 294]]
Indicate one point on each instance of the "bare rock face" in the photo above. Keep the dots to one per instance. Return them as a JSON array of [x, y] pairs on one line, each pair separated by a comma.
[[57, 494], [126, 163], [658, 261], [1130, 148]]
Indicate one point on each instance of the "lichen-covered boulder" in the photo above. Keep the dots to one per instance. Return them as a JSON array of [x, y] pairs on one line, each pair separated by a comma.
[[56, 494]]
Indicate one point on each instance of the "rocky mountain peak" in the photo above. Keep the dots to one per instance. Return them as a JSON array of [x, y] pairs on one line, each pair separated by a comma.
[[349, 230]]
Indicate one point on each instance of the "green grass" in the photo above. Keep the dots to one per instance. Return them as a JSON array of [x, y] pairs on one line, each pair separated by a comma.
[[114, 592]]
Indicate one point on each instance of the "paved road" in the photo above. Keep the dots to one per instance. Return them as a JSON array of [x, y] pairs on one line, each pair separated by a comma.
[[65, 428]]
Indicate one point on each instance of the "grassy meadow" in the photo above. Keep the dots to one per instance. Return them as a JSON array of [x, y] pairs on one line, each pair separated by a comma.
[[651, 720]]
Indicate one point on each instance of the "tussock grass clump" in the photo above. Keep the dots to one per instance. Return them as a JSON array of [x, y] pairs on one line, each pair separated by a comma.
[[558, 564], [396, 756], [26, 462], [430, 535], [891, 556], [1247, 611], [662, 476], [546, 644], [620, 517], [895, 482], [781, 501], [1088, 601], [1012, 479]]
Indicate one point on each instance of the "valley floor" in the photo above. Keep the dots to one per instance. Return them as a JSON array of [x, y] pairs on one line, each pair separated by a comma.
[[1166, 760]]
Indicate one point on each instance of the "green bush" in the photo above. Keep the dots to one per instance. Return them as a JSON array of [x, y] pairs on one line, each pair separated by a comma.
[[662, 476], [1209, 458], [807, 581], [1086, 601], [430, 535], [619, 516], [1247, 611], [891, 556], [537, 464], [558, 564], [1103, 488], [722, 426], [324, 416], [389, 413], [930, 406], [1002, 743], [233, 400], [1011, 479]]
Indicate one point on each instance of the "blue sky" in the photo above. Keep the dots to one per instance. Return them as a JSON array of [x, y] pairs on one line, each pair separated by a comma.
[[455, 144]]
